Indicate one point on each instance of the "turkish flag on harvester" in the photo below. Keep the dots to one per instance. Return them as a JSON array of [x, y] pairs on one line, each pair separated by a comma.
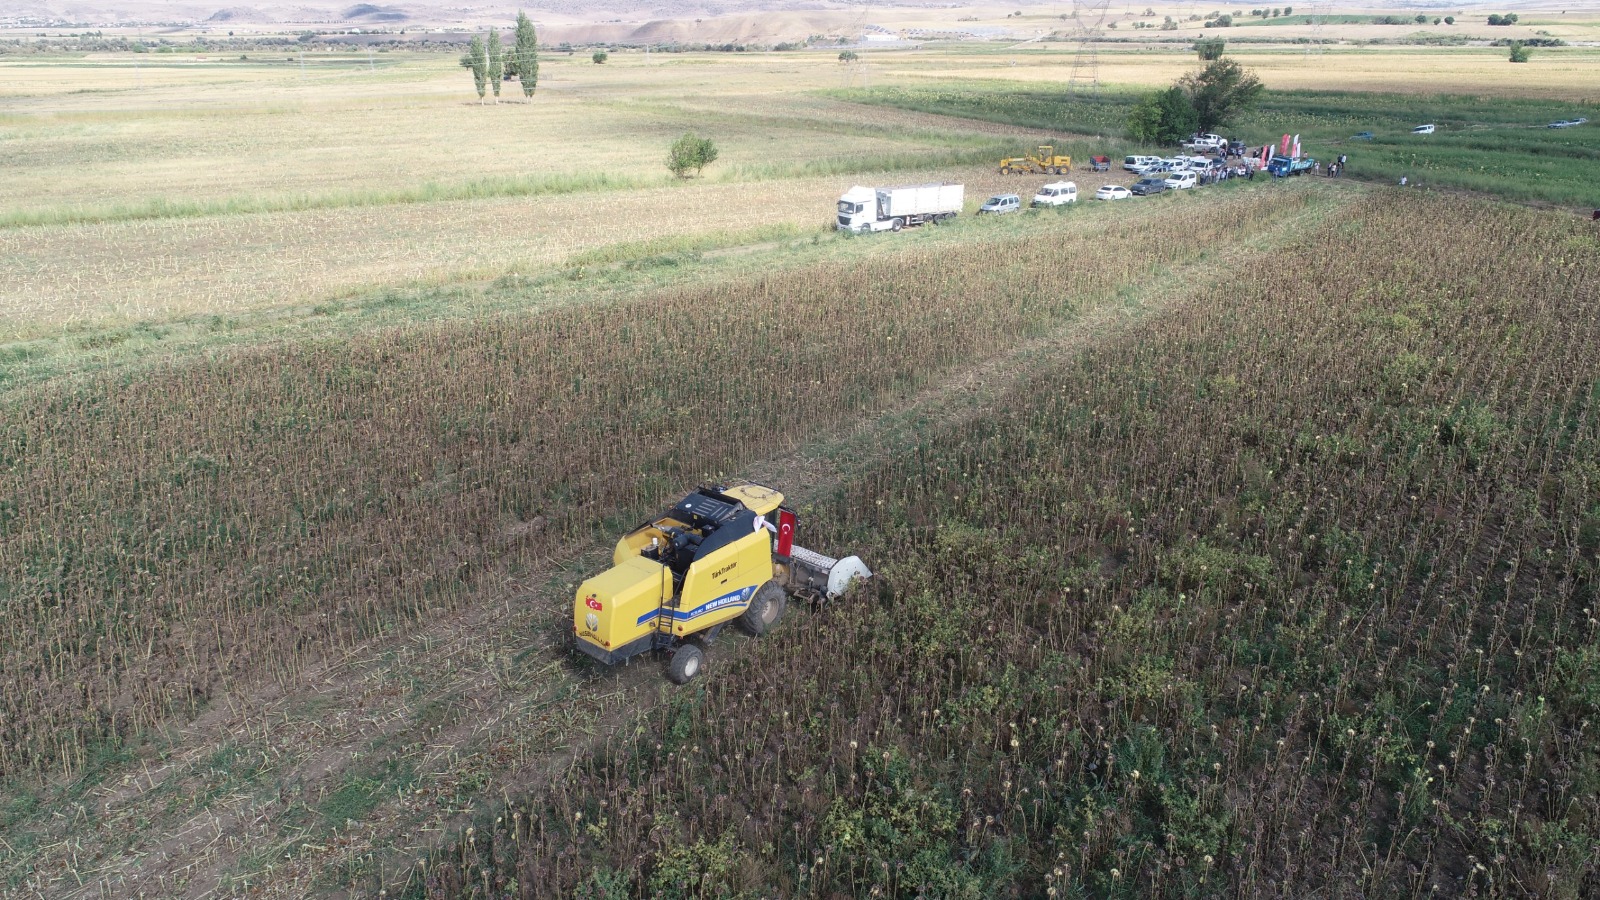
[[786, 522], [1283, 148]]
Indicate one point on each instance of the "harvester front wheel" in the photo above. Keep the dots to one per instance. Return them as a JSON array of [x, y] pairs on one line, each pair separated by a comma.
[[765, 609], [1005, 170], [685, 663]]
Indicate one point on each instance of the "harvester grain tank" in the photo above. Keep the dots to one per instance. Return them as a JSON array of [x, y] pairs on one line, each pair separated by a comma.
[[894, 208], [722, 554]]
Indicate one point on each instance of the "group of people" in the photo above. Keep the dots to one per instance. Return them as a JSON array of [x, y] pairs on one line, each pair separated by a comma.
[[1334, 169]]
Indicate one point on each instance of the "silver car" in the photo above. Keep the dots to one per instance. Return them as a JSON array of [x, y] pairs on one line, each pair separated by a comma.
[[1000, 203]]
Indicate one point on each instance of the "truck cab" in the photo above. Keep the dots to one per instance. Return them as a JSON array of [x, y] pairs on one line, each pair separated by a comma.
[[858, 209]]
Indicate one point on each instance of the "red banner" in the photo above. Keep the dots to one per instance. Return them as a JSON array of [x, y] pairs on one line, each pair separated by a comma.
[[786, 523], [1283, 148]]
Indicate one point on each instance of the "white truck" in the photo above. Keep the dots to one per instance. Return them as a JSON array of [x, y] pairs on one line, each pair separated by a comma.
[[894, 208], [1206, 142]]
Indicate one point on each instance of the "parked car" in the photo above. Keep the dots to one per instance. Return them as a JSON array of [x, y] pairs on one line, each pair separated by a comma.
[[1132, 163], [1112, 192], [1568, 123], [1423, 129], [1158, 167], [1059, 193], [1155, 184], [1361, 136], [1179, 181], [1236, 148], [1000, 203]]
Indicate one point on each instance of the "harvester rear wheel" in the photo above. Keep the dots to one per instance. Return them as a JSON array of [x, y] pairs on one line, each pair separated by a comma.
[[765, 609], [1005, 170], [685, 664]]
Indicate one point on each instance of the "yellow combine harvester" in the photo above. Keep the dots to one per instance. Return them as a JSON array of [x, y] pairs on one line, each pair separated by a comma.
[[720, 555], [1046, 163]]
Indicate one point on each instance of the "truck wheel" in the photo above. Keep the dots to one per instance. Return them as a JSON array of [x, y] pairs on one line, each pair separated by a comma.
[[765, 609], [1005, 170], [685, 664], [898, 224]]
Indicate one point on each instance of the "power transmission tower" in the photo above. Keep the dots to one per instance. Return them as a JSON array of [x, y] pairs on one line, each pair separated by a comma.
[[1318, 11], [1090, 22]]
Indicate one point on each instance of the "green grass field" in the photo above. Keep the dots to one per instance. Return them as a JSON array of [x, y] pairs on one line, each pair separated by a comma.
[[1492, 145], [1237, 541]]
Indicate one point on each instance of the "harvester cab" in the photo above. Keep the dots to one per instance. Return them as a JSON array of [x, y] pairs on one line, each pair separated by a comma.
[[719, 555]]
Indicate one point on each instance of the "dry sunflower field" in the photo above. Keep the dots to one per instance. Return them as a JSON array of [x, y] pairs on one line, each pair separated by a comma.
[[1236, 543]]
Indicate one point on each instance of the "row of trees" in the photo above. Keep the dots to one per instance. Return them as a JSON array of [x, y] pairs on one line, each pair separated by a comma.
[[490, 64]]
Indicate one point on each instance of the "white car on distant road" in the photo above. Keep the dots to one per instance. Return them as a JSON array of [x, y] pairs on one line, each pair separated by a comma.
[[1113, 192], [1422, 129]]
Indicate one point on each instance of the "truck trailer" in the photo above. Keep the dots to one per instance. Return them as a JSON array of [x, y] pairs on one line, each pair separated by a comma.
[[894, 208]]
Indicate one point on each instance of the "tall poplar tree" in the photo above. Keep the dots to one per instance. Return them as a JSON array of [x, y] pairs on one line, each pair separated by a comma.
[[497, 62], [527, 54], [478, 62]]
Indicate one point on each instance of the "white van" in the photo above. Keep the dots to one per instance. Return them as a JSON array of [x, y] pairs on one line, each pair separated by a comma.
[[1422, 129], [1059, 193], [1132, 163]]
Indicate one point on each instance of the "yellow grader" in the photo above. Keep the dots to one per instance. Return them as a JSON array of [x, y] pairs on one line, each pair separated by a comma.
[[722, 554], [1046, 163]]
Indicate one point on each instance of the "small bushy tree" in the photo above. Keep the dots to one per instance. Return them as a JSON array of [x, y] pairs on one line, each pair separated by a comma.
[[600, 57], [1221, 91], [690, 152], [1164, 117], [1520, 52], [1209, 49]]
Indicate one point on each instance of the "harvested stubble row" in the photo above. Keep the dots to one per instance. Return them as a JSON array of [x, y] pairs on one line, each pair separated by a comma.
[[1287, 591], [203, 527]]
